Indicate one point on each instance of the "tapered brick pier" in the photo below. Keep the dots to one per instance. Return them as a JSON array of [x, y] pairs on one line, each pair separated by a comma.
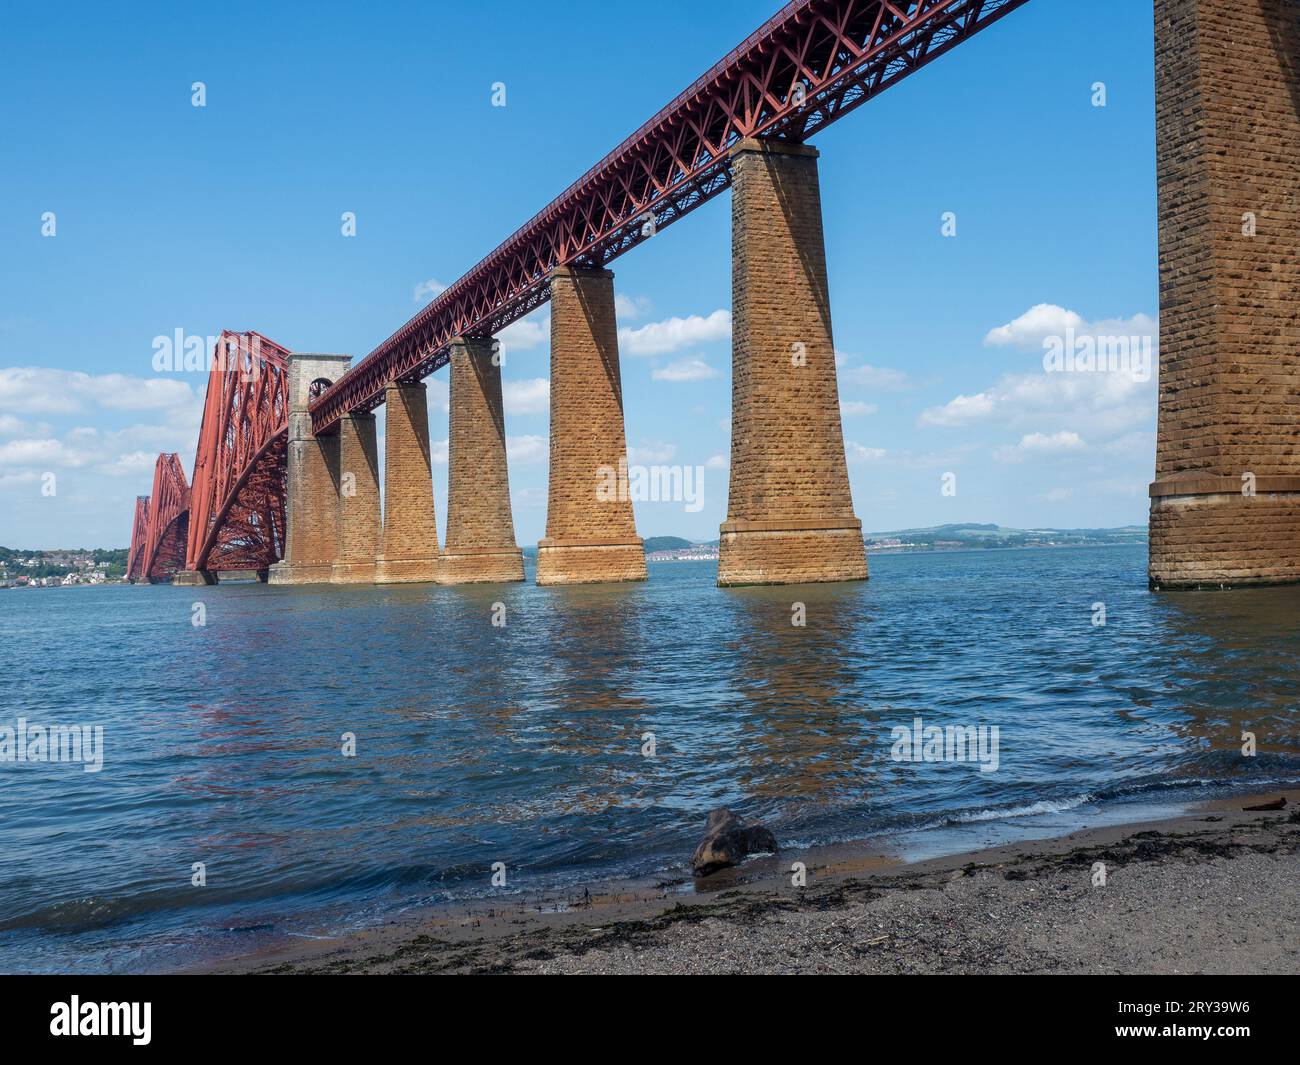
[[408, 550], [1225, 505], [312, 479], [480, 544], [590, 530], [789, 509], [359, 523]]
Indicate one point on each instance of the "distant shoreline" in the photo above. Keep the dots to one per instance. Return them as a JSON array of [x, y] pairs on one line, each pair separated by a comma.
[[672, 557], [964, 550], [945, 550]]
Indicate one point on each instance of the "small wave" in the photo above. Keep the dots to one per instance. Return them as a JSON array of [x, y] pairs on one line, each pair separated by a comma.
[[1243, 785], [1033, 809], [1117, 794], [90, 912]]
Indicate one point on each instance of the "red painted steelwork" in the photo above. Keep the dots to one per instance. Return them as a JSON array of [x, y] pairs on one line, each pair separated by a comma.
[[811, 63], [167, 520], [808, 65], [139, 535], [239, 466]]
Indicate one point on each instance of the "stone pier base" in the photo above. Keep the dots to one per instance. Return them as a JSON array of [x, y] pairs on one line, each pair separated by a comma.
[[1223, 539], [587, 562], [482, 567], [230, 576], [193, 578], [786, 555]]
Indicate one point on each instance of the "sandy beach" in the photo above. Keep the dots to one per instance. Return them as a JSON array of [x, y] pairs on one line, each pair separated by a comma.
[[1212, 891]]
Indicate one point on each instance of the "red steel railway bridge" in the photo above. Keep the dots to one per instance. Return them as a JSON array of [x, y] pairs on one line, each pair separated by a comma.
[[287, 484]]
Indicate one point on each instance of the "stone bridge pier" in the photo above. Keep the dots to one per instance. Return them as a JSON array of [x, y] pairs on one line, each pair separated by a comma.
[[480, 544], [408, 547], [789, 507], [590, 529], [312, 478], [1225, 505], [359, 520]]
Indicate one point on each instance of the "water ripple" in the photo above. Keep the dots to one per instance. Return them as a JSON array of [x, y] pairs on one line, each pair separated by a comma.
[[523, 744]]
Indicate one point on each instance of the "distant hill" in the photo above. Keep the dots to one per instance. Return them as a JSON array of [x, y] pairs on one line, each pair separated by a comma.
[[974, 535], [666, 543], [963, 535]]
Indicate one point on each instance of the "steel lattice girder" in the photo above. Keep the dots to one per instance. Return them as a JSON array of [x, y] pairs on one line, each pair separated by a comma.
[[239, 466], [167, 519], [808, 65], [139, 536]]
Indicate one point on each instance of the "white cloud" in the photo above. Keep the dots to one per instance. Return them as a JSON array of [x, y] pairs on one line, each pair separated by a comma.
[[1143, 444], [853, 408], [120, 392], [1029, 330], [47, 452], [439, 452], [1041, 444], [31, 453], [959, 411], [651, 454], [631, 307], [36, 390], [858, 453], [1102, 403], [881, 378], [529, 498], [531, 396], [717, 462], [427, 290], [526, 333], [1047, 320], [132, 464], [928, 460], [11, 426], [673, 334], [685, 370], [527, 448], [438, 396]]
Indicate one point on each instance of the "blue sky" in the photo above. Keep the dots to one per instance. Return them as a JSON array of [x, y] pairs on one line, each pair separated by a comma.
[[174, 217]]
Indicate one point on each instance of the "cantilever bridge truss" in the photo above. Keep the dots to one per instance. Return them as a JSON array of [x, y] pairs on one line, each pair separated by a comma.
[[810, 64], [161, 523], [232, 516], [237, 517]]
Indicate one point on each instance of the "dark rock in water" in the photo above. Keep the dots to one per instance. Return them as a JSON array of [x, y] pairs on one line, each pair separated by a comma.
[[727, 841], [1277, 804]]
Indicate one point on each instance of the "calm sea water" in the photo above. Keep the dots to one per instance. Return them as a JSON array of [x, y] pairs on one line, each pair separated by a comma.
[[522, 744]]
